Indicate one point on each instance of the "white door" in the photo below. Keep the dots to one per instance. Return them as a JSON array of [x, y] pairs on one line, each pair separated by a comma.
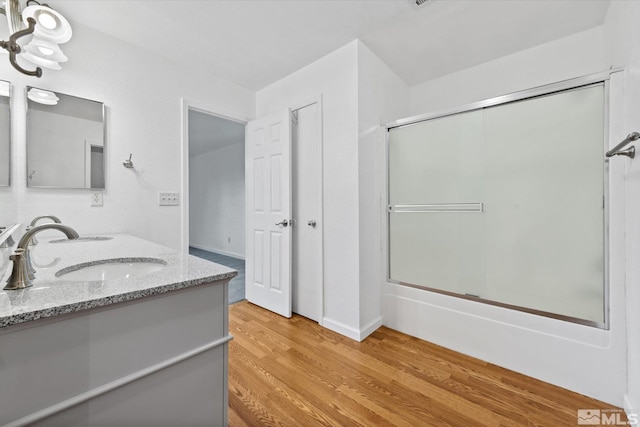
[[307, 213], [268, 207]]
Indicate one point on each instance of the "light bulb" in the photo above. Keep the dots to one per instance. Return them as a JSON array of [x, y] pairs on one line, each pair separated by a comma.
[[50, 24], [47, 20]]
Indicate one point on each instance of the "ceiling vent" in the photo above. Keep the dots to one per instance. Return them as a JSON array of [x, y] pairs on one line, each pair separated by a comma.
[[421, 2]]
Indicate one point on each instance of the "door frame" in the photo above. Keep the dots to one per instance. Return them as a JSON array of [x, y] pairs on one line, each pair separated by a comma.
[[202, 107], [320, 191]]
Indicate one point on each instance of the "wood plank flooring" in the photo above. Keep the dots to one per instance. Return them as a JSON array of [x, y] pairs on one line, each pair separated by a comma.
[[292, 372]]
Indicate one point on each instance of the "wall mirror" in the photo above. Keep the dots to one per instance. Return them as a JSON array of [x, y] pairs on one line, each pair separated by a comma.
[[65, 141], [5, 133]]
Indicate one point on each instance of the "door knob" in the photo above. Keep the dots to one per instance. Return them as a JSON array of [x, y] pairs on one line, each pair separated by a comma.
[[312, 223], [283, 223]]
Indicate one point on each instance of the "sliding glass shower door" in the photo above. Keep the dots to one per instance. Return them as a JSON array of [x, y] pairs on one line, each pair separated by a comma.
[[505, 204]]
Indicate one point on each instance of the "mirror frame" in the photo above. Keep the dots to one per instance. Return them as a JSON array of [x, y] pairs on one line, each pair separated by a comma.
[[9, 148]]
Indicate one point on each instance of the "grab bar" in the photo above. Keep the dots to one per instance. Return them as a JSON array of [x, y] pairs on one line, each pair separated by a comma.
[[629, 152]]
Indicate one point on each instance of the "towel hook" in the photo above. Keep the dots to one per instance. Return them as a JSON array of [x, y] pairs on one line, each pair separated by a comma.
[[128, 163]]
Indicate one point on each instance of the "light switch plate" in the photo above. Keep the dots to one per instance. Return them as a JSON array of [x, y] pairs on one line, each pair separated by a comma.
[[168, 199]]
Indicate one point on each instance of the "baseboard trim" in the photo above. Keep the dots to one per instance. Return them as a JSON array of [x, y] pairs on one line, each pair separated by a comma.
[[370, 328], [217, 251], [349, 332], [120, 382]]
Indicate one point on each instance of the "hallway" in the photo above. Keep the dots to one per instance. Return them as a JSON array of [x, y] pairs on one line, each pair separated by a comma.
[[236, 285]]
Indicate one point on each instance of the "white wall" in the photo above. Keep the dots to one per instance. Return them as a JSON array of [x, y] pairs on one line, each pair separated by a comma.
[[335, 78], [382, 97], [569, 57], [142, 93], [216, 200], [623, 47], [584, 359]]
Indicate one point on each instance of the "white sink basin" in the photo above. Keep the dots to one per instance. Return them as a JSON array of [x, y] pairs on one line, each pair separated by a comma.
[[111, 269]]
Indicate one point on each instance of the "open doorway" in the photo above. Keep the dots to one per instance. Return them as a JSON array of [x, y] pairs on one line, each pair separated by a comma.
[[216, 193]]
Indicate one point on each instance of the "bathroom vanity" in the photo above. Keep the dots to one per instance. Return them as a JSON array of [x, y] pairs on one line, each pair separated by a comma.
[[144, 347]]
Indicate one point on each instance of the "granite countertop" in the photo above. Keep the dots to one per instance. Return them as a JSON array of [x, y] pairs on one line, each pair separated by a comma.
[[53, 296]]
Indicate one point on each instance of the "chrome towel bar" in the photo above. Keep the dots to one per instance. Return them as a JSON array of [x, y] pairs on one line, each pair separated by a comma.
[[438, 207], [629, 152]]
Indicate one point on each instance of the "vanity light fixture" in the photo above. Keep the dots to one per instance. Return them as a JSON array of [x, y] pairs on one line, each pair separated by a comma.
[[49, 29], [42, 96]]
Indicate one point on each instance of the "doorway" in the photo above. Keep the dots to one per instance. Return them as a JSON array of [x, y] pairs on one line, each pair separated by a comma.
[[216, 193]]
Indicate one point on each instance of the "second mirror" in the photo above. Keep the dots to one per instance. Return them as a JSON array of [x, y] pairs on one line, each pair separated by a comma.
[[65, 141]]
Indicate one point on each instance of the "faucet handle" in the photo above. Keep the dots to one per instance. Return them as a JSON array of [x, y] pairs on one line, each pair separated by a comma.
[[19, 278]]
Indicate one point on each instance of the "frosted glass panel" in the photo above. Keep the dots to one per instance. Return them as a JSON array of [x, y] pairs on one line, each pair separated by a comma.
[[536, 168], [437, 161], [439, 250]]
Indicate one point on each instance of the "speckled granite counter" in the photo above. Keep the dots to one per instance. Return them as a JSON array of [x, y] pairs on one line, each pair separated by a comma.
[[52, 296]]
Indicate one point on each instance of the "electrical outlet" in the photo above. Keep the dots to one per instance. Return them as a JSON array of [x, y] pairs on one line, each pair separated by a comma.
[[96, 198], [228, 239], [168, 199]]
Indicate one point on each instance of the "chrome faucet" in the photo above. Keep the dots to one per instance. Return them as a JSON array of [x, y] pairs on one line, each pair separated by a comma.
[[55, 219], [20, 276]]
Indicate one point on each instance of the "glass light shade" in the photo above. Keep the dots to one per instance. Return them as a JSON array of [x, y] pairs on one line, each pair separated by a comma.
[[42, 96], [50, 25], [44, 49], [43, 62], [13, 16]]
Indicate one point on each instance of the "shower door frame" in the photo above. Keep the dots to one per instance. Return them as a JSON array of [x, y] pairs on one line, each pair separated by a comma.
[[535, 92]]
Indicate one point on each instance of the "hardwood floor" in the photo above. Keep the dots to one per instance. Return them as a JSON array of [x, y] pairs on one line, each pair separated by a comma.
[[292, 372]]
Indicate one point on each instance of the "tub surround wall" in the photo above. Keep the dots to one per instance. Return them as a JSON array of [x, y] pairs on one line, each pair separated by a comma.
[[142, 93]]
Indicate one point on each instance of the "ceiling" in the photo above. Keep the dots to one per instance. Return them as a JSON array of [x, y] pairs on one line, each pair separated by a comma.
[[257, 42]]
